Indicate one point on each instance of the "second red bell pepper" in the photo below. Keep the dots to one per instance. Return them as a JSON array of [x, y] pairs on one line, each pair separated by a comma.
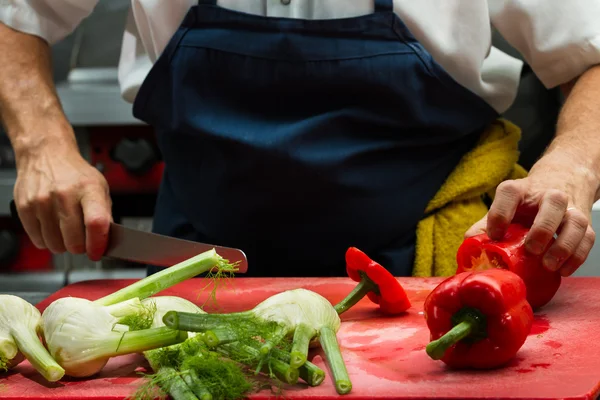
[[374, 281], [478, 319], [480, 252]]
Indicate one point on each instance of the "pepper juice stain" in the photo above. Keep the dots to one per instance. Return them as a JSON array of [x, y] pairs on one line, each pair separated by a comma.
[[541, 324]]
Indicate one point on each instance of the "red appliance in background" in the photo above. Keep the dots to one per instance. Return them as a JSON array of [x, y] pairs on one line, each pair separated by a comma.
[[128, 157], [17, 252]]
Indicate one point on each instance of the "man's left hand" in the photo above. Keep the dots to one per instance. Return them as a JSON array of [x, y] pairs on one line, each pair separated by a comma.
[[555, 199]]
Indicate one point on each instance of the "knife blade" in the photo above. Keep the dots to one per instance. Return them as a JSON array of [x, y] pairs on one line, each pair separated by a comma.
[[137, 246], [150, 248]]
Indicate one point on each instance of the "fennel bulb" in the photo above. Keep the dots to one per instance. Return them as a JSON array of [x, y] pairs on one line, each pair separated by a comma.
[[20, 326], [81, 334]]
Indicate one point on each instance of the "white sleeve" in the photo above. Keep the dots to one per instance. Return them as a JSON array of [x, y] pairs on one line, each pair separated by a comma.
[[51, 20], [559, 39]]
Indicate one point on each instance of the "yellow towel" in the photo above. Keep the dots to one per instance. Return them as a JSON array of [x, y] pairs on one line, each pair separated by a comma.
[[459, 202]]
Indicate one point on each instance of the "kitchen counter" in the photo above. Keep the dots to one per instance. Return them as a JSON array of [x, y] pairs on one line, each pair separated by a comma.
[[95, 104]]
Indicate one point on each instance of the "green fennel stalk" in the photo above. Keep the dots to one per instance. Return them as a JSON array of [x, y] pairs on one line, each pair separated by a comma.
[[153, 284]]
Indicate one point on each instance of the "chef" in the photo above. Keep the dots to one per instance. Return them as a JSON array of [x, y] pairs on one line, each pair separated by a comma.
[[293, 129]]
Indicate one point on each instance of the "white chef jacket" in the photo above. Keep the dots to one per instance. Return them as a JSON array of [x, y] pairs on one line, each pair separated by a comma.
[[560, 39]]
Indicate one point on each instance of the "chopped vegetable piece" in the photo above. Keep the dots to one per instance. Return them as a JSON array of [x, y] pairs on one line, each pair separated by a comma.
[[478, 319], [374, 281], [20, 326], [480, 253]]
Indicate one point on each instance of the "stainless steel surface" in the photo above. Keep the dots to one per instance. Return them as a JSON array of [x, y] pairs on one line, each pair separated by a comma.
[[32, 297], [149, 248], [95, 104], [50, 282]]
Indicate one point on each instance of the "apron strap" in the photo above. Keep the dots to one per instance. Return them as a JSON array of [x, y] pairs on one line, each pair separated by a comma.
[[384, 5], [207, 2]]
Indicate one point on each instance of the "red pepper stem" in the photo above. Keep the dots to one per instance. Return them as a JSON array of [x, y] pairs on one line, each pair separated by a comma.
[[437, 348], [365, 286]]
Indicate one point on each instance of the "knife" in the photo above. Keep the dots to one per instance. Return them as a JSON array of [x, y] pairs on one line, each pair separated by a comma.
[[150, 248]]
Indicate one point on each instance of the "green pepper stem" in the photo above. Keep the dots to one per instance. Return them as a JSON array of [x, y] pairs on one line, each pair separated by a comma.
[[192, 322], [335, 360], [365, 286], [301, 341], [168, 277], [34, 351], [437, 348]]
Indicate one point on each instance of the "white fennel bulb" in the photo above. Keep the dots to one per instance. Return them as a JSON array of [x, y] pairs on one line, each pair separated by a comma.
[[293, 308], [20, 326], [83, 335]]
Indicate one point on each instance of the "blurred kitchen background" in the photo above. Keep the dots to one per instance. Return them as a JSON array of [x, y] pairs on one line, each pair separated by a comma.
[[123, 148]]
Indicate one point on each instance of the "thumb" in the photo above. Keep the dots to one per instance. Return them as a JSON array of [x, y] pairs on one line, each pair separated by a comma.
[[97, 216], [478, 228]]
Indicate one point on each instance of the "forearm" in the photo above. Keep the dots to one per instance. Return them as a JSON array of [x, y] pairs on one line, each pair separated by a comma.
[[578, 127], [30, 109]]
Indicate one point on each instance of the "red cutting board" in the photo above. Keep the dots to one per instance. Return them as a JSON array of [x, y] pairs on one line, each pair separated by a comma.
[[385, 356]]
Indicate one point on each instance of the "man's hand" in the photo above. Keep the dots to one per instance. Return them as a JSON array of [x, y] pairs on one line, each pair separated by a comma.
[[557, 196], [554, 199], [62, 201]]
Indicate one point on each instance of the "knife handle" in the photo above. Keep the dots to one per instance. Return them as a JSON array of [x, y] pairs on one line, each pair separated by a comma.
[[14, 215]]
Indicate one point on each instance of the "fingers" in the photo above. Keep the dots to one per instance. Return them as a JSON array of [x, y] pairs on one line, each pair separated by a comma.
[[49, 222], [477, 228], [70, 218], [572, 233], [97, 217], [547, 221], [29, 220], [73, 217], [580, 254], [37, 214], [509, 195]]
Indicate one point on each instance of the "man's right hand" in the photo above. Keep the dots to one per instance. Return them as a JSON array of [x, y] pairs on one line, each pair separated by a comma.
[[63, 202]]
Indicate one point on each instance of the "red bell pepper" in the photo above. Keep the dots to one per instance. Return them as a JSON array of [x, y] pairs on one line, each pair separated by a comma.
[[480, 252], [478, 319], [375, 282]]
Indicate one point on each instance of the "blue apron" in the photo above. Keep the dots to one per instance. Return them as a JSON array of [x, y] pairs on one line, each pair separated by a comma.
[[294, 139]]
